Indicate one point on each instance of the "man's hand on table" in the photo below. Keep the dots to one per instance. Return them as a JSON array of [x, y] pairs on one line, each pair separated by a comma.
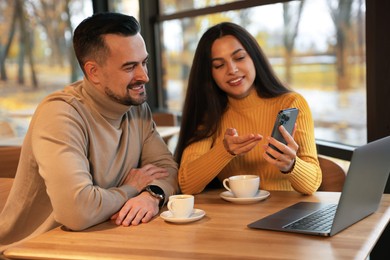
[[140, 209]]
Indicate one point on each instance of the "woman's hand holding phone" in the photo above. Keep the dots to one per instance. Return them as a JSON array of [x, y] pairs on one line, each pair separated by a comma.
[[281, 148], [284, 157]]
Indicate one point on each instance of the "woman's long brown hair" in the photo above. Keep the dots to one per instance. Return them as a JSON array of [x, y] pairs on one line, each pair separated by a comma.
[[205, 102]]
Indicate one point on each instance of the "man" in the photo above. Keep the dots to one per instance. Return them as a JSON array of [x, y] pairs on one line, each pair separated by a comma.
[[92, 151]]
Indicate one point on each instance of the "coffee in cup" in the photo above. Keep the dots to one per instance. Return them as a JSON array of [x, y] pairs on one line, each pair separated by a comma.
[[181, 206], [242, 186]]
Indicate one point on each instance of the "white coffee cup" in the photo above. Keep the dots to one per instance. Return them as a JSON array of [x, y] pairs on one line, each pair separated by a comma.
[[242, 186], [181, 206]]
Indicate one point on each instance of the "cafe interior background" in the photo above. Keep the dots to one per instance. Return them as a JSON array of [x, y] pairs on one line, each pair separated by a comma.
[[331, 51]]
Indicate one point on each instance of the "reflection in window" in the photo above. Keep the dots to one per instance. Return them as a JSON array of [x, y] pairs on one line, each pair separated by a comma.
[[36, 56], [317, 47]]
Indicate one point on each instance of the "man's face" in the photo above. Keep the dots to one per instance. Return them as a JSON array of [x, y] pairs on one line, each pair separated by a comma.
[[124, 74]]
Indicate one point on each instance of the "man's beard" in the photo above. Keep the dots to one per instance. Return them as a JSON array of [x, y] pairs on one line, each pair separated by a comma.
[[127, 100]]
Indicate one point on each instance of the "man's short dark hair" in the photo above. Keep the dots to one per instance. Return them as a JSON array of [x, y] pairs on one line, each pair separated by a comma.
[[88, 42]]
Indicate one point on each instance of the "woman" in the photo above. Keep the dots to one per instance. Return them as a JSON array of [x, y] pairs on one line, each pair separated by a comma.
[[232, 100]]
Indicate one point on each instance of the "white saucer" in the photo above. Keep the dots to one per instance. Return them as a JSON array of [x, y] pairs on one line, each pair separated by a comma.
[[196, 215], [261, 195]]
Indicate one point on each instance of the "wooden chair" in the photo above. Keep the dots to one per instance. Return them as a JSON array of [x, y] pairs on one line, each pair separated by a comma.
[[165, 119], [9, 159], [5, 188], [333, 175]]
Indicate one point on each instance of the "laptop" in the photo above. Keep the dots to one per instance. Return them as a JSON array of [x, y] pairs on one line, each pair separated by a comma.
[[360, 197]]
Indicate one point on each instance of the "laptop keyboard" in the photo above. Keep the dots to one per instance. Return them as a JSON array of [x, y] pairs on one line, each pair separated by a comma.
[[320, 220]]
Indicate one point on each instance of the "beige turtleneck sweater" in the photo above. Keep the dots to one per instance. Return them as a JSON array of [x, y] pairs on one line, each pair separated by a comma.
[[78, 150], [204, 160]]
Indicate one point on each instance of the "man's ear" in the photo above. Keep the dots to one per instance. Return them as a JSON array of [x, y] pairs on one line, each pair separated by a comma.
[[92, 70]]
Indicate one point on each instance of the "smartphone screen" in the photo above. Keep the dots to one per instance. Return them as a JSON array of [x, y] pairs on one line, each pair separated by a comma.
[[287, 118]]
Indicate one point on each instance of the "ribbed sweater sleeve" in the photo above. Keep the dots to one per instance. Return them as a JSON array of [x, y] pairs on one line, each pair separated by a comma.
[[204, 160]]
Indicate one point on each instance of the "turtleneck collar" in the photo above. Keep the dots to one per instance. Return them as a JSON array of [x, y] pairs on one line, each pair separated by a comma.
[[102, 103], [248, 102]]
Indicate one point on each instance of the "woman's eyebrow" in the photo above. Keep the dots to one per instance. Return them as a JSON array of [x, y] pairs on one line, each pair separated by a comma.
[[238, 50], [234, 52]]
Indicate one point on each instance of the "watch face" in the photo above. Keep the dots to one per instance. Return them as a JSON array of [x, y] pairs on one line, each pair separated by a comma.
[[157, 191], [153, 189]]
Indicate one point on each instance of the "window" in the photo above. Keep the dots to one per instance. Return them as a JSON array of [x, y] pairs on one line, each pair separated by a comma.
[[174, 6], [129, 7], [316, 46], [36, 56]]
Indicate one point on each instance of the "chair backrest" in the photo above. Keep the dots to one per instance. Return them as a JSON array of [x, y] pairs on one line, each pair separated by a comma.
[[333, 175], [5, 188], [9, 159], [165, 119]]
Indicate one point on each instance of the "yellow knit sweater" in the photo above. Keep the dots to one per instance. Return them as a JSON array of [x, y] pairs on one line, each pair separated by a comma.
[[204, 160]]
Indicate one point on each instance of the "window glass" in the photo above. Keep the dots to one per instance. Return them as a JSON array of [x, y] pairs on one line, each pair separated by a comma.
[[317, 47], [129, 7], [36, 56], [174, 6]]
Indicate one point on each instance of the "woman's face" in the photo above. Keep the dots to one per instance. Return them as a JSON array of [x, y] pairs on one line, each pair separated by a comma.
[[232, 67]]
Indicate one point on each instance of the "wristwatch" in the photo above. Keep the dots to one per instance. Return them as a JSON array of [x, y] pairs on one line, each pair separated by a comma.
[[156, 192]]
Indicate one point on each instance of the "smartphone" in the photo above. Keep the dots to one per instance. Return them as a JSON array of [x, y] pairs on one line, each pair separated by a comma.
[[287, 118]]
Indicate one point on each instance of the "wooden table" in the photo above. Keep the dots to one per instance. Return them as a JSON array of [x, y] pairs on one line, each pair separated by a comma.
[[221, 234], [12, 141], [167, 132]]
